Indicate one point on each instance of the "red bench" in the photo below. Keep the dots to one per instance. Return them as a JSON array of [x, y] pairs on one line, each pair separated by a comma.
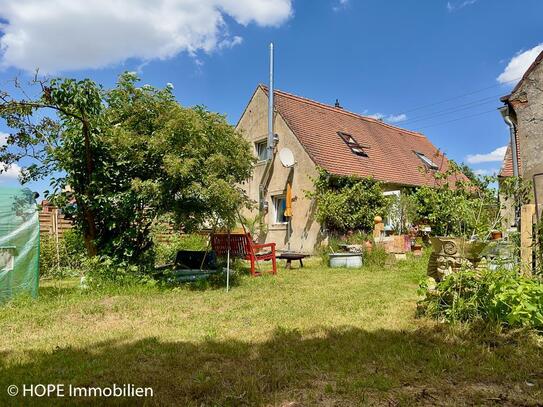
[[242, 246]]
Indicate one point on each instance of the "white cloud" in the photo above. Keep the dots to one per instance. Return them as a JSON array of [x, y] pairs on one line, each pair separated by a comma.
[[391, 118], [230, 42], [9, 173], [459, 5], [491, 171], [3, 138], [518, 65], [493, 156], [340, 5], [396, 118], [65, 35]]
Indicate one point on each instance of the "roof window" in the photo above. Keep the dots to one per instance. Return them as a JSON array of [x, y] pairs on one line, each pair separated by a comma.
[[427, 162], [355, 147]]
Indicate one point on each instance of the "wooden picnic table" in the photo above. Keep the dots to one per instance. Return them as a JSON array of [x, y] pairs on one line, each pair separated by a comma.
[[289, 256]]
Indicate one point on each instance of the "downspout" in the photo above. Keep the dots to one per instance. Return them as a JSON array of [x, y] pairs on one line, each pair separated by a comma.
[[513, 135], [270, 148], [514, 153]]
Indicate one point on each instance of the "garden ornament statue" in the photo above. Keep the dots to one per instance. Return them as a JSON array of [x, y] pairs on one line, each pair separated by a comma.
[[451, 254]]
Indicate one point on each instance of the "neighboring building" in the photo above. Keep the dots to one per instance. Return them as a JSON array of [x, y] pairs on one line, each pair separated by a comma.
[[340, 142], [524, 106]]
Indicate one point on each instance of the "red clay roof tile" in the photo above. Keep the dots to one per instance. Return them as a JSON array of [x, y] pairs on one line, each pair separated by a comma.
[[390, 149], [507, 165]]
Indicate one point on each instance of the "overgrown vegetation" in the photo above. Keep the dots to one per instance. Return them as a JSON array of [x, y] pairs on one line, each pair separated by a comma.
[[456, 206], [348, 203], [62, 258], [167, 249], [502, 297], [120, 158]]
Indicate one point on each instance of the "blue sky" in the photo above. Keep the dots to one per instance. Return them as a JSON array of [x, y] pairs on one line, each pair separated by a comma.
[[396, 59]]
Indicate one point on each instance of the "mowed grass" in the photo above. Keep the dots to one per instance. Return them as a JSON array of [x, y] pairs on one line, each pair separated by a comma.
[[312, 336]]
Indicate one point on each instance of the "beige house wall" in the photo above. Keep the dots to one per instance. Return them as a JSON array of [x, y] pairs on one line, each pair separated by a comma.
[[305, 231], [527, 103]]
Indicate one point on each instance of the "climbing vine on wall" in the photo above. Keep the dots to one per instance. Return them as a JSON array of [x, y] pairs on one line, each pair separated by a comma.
[[348, 203]]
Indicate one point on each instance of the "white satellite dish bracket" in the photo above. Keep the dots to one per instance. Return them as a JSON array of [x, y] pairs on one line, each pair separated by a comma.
[[286, 157]]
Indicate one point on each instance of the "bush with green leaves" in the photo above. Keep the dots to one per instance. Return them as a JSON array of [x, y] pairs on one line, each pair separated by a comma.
[[103, 271], [167, 249], [63, 257], [347, 203], [463, 208], [119, 158], [502, 297]]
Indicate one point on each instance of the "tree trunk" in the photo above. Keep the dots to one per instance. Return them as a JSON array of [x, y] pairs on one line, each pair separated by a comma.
[[89, 232], [89, 229]]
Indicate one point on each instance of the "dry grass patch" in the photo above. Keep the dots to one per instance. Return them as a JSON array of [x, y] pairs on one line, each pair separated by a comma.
[[312, 336]]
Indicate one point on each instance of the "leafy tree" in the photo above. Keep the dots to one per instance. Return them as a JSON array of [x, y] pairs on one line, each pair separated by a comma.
[[119, 158], [462, 208], [348, 203]]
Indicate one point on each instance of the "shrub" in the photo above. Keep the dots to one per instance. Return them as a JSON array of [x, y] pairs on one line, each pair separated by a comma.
[[376, 257], [104, 271], [64, 260], [348, 203], [503, 297], [457, 206], [166, 250]]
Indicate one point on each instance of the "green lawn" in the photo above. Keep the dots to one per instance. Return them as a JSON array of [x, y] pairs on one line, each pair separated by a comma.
[[312, 336]]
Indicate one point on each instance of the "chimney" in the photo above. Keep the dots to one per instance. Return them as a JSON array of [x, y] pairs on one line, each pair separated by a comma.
[[337, 105]]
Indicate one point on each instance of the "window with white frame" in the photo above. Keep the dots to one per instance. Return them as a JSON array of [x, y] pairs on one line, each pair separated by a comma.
[[261, 148], [427, 161], [279, 207], [394, 218]]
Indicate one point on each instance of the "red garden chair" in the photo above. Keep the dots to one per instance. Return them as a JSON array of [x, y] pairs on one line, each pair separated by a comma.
[[242, 246]]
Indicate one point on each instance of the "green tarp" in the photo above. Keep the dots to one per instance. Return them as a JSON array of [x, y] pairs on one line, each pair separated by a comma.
[[19, 243]]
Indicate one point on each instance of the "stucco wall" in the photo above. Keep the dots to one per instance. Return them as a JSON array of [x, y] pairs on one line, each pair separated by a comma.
[[527, 103], [305, 231]]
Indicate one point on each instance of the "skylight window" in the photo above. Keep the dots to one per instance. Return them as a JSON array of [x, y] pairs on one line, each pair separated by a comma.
[[427, 162], [355, 147]]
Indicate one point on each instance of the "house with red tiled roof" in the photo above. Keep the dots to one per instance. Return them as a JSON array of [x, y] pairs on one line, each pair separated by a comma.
[[332, 138], [523, 110]]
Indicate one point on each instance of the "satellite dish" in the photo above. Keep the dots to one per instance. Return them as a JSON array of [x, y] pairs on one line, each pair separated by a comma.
[[286, 157]]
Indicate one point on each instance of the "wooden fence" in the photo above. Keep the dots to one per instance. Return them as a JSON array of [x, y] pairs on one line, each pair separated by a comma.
[[53, 223], [528, 238]]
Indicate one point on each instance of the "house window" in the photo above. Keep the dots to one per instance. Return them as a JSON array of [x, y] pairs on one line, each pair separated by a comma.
[[261, 148], [355, 147], [279, 206], [427, 162], [393, 220]]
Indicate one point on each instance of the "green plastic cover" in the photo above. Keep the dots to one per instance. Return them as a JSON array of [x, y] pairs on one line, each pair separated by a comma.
[[19, 243]]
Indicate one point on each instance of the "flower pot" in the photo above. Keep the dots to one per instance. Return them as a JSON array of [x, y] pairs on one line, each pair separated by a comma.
[[417, 250], [496, 235]]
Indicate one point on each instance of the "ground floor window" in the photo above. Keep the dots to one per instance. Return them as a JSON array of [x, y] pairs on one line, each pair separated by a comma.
[[394, 218]]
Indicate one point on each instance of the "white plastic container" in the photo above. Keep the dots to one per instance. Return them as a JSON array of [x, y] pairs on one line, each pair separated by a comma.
[[348, 260]]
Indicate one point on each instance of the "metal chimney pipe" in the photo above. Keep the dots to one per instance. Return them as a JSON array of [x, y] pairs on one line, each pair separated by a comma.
[[270, 109]]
